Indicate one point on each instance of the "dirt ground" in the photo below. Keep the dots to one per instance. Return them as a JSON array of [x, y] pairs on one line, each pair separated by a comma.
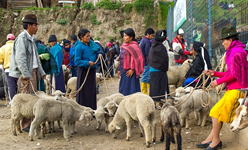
[[88, 138]]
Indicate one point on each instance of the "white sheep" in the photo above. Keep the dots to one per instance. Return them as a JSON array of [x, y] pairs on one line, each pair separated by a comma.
[[21, 107], [112, 106], [176, 74], [66, 73], [48, 87], [180, 91], [47, 110], [170, 54], [101, 114], [193, 103], [140, 108], [72, 85]]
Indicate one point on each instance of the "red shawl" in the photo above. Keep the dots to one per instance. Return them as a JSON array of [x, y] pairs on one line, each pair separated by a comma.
[[133, 58]]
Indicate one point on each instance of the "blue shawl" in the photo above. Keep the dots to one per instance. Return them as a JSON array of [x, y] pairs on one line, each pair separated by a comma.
[[57, 53]]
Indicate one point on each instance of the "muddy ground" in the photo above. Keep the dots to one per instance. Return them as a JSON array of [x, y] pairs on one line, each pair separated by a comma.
[[88, 138]]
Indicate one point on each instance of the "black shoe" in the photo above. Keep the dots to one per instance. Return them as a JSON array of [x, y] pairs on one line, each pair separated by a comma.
[[214, 148], [26, 129], [203, 145]]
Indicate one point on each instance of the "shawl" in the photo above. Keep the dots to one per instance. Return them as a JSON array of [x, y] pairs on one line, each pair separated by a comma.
[[133, 58], [93, 46], [158, 56], [57, 53], [237, 65], [49, 66]]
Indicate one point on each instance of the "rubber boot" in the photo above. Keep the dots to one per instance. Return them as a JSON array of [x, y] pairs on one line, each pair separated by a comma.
[[148, 88], [144, 88]]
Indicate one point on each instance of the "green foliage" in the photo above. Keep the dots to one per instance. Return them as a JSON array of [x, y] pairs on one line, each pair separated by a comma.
[[114, 30], [5, 30], [101, 32], [143, 5], [88, 6], [164, 8], [55, 8], [109, 4], [128, 8], [110, 38], [128, 21], [94, 20], [97, 38], [62, 21]]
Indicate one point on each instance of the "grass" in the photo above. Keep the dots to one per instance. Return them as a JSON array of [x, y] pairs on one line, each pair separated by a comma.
[[62, 21], [94, 20]]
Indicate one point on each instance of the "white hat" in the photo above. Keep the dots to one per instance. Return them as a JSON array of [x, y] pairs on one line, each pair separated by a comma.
[[180, 32]]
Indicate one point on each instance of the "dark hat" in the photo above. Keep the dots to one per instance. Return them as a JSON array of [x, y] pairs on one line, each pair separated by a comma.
[[30, 18], [160, 35], [228, 31], [52, 38], [197, 45], [122, 33], [66, 41]]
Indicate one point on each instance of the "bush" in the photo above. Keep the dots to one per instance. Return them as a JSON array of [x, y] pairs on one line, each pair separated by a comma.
[[128, 21], [101, 32], [88, 6], [97, 38], [143, 5], [94, 20], [128, 8], [109, 4], [62, 21]]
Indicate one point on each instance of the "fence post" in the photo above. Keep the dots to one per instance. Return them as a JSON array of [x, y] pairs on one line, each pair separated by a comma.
[[209, 31], [191, 20]]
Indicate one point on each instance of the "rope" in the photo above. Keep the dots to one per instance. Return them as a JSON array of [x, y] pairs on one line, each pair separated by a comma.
[[111, 77], [101, 59], [83, 82], [50, 83]]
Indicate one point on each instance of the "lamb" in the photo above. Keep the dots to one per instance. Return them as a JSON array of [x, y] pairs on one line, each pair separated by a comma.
[[101, 114], [66, 73], [170, 122], [47, 110], [112, 106], [21, 106], [57, 95], [72, 85], [240, 121], [192, 104], [170, 54], [140, 108], [180, 91], [48, 87], [176, 74]]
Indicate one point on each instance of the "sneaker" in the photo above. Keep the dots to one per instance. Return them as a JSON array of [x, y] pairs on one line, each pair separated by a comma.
[[26, 129]]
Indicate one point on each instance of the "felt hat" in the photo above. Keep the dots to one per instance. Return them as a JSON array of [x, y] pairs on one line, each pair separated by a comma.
[[30, 18], [52, 38], [160, 35], [228, 31]]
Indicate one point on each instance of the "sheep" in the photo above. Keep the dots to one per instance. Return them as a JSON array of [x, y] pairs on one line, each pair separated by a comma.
[[193, 103], [88, 109], [176, 74], [180, 91], [112, 106], [170, 122], [100, 114], [240, 121], [21, 106], [170, 54], [140, 108], [116, 64], [47, 110], [66, 73], [72, 85]]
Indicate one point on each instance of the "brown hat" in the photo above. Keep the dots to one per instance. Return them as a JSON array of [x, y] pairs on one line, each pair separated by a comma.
[[30, 18]]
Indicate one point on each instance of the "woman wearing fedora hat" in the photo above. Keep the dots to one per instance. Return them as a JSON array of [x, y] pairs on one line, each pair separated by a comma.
[[235, 78]]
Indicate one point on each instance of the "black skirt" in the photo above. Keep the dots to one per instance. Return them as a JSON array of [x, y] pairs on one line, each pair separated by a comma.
[[158, 85], [87, 96]]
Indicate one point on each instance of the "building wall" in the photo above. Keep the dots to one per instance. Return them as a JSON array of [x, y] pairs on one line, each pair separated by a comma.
[[18, 4]]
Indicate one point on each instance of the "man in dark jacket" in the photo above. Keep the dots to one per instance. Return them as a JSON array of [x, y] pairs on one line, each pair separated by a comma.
[[145, 46]]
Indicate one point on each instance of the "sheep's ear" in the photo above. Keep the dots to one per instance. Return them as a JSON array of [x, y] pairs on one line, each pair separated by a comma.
[[118, 128], [94, 111], [105, 112], [116, 105], [81, 117], [176, 101], [63, 94], [163, 100]]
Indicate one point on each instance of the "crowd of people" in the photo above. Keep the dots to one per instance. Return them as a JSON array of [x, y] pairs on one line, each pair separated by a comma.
[[29, 61]]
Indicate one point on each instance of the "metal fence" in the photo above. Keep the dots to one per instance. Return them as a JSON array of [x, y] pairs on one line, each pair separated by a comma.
[[217, 13]]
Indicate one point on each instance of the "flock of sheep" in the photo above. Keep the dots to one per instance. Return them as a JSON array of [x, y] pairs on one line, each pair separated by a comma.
[[137, 108]]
